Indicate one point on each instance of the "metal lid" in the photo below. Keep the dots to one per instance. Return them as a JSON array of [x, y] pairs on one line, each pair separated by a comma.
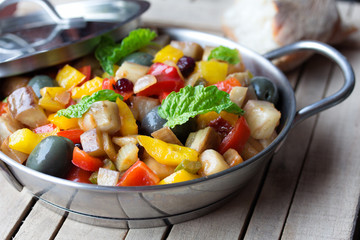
[[62, 33]]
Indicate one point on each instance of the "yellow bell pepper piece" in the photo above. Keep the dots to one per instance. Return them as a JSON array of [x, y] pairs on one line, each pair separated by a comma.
[[48, 101], [24, 140], [203, 120], [47, 134], [63, 122], [87, 88], [128, 124], [68, 77], [213, 71], [166, 153], [178, 176], [168, 53]]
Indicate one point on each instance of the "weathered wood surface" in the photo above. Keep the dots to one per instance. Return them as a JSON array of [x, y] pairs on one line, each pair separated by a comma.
[[310, 190]]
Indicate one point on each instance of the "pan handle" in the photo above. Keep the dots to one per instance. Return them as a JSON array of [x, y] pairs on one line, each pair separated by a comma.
[[333, 55]]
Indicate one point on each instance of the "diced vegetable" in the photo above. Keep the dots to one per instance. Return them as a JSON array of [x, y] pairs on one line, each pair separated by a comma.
[[87, 88], [77, 174], [139, 175], [168, 53], [109, 147], [238, 95], [141, 105], [24, 140], [144, 82], [213, 71], [165, 153], [190, 166], [84, 161], [190, 49], [232, 157], [48, 100], [165, 134], [106, 116], [128, 124], [23, 105], [68, 77], [107, 177], [161, 170], [72, 134], [203, 139], [228, 84], [212, 162], [131, 71], [92, 143], [122, 141], [8, 126], [262, 118], [179, 176], [63, 122], [18, 156], [126, 157]]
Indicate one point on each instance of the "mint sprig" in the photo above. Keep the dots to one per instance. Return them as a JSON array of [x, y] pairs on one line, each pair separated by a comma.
[[77, 110], [108, 52], [179, 107], [225, 54]]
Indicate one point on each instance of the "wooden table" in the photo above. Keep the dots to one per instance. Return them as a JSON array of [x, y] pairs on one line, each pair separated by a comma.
[[310, 189]]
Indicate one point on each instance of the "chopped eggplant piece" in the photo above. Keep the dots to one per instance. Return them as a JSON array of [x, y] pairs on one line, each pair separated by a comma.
[[212, 162], [106, 116], [109, 147], [190, 49], [165, 134], [232, 157], [23, 105], [14, 154], [87, 122], [243, 77], [203, 139], [238, 95], [8, 126], [249, 151], [122, 141], [91, 142], [126, 157], [144, 82], [107, 177]]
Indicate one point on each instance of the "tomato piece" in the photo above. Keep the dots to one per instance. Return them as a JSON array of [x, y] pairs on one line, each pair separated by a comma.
[[86, 70], [228, 84], [3, 107], [139, 174], [84, 161], [237, 137], [77, 174], [72, 134], [45, 128], [168, 80]]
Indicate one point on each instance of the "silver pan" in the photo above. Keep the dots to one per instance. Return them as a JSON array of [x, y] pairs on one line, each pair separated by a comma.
[[152, 206]]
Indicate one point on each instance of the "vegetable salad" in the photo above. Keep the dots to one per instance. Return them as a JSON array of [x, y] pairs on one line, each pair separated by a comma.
[[146, 111]]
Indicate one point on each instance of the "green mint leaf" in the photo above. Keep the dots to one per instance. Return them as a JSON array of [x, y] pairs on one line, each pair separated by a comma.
[[225, 54], [190, 101], [77, 110], [108, 52]]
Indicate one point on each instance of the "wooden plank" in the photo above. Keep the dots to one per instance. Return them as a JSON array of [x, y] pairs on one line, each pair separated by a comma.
[[228, 222], [147, 233], [72, 229], [14, 206], [275, 199], [41, 223], [350, 15], [325, 203]]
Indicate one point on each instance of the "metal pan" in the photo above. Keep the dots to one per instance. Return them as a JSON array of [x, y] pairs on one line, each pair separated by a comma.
[[160, 205], [62, 33]]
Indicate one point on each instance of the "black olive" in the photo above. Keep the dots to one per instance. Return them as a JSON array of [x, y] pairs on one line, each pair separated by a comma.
[[52, 156], [40, 81], [153, 122], [265, 89], [141, 58]]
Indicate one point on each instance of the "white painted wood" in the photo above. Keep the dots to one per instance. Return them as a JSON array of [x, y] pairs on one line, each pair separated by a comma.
[[34, 224], [14, 206], [146, 233], [326, 199]]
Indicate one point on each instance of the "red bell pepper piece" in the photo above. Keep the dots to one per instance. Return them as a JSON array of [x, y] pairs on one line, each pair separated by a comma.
[[72, 134], [45, 128], [86, 70], [139, 174], [228, 84], [109, 83], [3, 107], [86, 162], [77, 174], [237, 137], [168, 80]]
